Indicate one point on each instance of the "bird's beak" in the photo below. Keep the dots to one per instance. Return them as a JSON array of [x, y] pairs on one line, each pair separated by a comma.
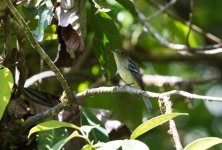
[[115, 51]]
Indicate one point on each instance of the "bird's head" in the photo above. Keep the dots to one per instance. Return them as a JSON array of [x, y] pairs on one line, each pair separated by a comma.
[[120, 53]]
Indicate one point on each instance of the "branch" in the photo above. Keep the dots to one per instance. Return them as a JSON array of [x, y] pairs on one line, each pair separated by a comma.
[[162, 9], [130, 90], [115, 89], [173, 129], [42, 116], [209, 49], [194, 27], [36, 46]]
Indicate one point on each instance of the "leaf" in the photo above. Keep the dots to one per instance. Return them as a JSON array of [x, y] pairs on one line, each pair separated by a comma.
[[44, 19], [152, 123], [106, 39], [134, 145], [86, 129], [129, 6], [98, 133], [125, 144], [112, 145], [61, 143], [6, 81], [48, 138], [203, 143], [88, 147], [72, 15], [52, 124]]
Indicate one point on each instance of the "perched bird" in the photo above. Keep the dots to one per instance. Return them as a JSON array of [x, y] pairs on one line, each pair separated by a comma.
[[129, 72]]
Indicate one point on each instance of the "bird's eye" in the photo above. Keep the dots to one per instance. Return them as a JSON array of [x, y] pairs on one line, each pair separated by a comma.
[[122, 52]]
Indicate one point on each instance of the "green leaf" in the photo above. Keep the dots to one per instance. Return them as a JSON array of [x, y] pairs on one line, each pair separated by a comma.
[[98, 132], [203, 143], [152, 123], [129, 6], [52, 124], [134, 145], [62, 142], [6, 81], [86, 129], [88, 147], [48, 138], [106, 39]]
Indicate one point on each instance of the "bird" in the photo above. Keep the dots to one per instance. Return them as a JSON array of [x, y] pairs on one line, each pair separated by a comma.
[[129, 72]]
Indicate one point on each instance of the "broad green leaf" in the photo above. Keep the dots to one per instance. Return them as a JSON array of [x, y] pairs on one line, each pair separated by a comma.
[[106, 39], [129, 6], [112, 145], [6, 81], [203, 143], [134, 145], [62, 142], [52, 124], [98, 133], [152, 123], [48, 138]]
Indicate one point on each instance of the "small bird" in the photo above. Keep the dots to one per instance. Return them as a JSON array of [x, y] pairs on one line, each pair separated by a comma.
[[129, 72]]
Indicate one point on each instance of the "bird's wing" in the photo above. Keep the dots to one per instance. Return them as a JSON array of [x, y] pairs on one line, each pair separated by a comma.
[[136, 73]]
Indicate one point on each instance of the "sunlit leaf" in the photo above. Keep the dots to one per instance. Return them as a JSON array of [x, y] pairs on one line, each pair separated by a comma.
[[125, 144], [134, 145], [203, 143], [6, 81], [112, 145], [88, 147], [152, 123], [51, 125]]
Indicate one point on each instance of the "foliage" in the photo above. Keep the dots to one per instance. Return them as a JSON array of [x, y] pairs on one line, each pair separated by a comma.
[[81, 35], [97, 136], [5, 93]]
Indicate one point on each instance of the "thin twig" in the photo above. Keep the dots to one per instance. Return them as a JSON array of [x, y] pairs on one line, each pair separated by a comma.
[[37, 47], [208, 35], [173, 129], [209, 49], [162, 9]]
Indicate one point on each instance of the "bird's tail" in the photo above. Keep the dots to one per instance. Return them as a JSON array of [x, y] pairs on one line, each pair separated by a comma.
[[147, 103]]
